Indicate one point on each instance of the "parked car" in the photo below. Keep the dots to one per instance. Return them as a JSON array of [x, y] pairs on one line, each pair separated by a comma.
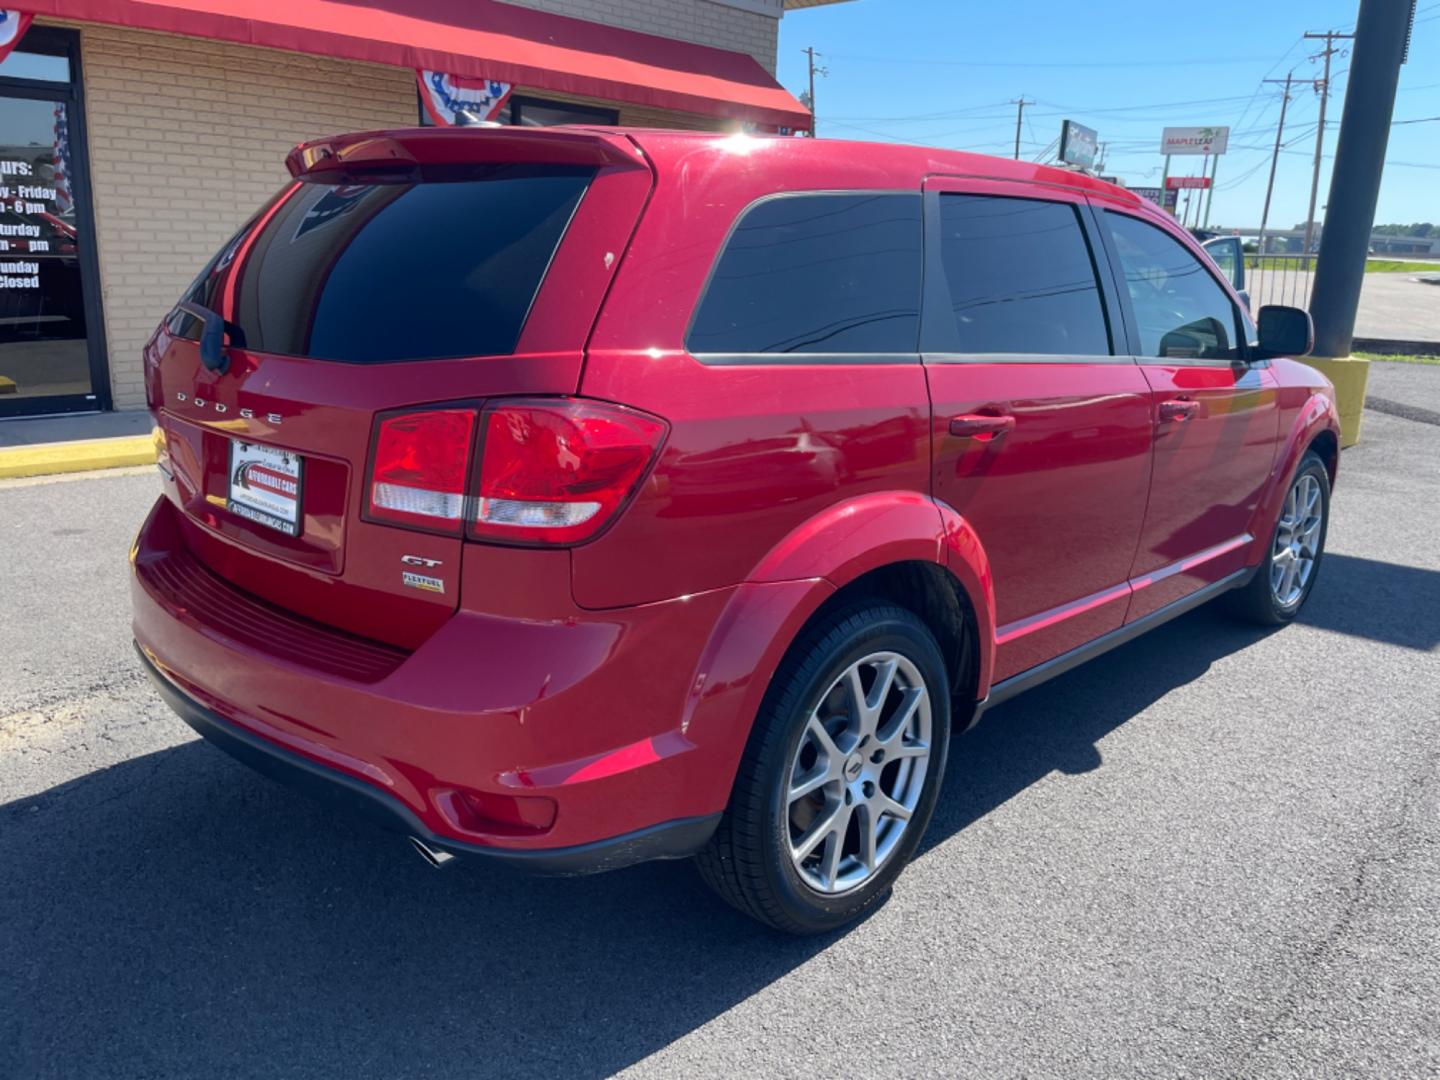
[[569, 498]]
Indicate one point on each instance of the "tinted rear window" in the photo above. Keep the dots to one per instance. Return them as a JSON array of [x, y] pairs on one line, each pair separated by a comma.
[[824, 273], [385, 270], [1021, 277]]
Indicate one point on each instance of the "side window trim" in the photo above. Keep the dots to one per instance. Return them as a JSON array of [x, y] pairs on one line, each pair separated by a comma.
[[939, 336], [1126, 338], [1239, 328], [735, 359]]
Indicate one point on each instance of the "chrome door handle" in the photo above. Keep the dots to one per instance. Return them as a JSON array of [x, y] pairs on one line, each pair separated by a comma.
[[977, 425], [1178, 411]]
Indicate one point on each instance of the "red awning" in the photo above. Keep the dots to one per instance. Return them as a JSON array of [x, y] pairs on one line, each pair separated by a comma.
[[478, 39]]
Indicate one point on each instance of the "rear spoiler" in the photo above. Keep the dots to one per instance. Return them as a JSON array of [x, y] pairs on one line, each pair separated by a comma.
[[461, 146]]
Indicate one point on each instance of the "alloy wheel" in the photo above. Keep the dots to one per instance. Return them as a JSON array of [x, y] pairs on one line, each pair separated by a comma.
[[858, 772], [1297, 541]]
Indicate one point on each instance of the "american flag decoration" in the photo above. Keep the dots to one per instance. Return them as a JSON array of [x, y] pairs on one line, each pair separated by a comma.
[[13, 25], [446, 96], [60, 162]]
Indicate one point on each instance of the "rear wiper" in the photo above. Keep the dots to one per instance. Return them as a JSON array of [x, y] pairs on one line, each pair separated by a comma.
[[212, 335]]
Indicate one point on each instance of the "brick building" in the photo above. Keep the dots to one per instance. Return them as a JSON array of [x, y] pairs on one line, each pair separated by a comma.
[[135, 137]]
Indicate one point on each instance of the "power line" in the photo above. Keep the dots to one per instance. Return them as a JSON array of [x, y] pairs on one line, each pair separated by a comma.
[[908, 61]]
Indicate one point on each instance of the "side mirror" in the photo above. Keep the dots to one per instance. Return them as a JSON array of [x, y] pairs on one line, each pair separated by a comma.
[[1284, 331]]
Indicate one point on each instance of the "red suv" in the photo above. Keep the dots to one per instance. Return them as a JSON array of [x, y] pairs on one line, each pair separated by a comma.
[[569, 498]]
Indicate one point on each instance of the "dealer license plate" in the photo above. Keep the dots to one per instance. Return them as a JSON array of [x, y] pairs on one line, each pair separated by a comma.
[[265, 486]]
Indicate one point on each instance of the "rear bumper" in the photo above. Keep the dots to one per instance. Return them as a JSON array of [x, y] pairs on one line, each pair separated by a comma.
[[628, 723], [667, 840]]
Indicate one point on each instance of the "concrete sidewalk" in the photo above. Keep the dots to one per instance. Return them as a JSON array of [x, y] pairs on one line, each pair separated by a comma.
[[61, 444]]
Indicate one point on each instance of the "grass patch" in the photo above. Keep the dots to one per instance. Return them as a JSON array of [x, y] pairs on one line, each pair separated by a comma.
[[1399, 358], [1399, 266], [1372, 266]]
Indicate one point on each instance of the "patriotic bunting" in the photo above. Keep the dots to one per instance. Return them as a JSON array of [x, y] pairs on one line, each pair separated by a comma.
[[446, 96], [13, 25]]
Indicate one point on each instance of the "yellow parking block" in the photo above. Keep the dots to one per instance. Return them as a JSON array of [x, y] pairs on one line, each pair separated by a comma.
[[78, 456]]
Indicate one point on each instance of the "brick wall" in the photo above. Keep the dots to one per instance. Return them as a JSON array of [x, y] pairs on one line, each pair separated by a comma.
[[704, 22], [187, 139]]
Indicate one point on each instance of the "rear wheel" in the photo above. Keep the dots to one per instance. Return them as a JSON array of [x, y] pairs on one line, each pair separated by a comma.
[[840, 776], [1283, 582]]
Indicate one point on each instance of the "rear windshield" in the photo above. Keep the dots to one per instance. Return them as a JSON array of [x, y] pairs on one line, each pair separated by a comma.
[[393, 269]]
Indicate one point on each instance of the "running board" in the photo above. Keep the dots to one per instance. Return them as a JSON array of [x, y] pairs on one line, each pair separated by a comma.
[[1018, 684]]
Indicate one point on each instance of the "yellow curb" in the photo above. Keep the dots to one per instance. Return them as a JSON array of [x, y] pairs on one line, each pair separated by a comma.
[[79, 456]]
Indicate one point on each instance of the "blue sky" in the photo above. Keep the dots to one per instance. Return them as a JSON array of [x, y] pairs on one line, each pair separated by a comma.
[[941, 73]]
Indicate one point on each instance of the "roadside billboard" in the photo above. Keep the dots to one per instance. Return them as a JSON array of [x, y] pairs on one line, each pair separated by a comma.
[[1174, 182], [1078, 144], [1194, 140], [1159, 196]]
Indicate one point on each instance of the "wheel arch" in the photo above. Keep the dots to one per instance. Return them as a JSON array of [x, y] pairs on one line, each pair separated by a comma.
[[1316, 425], [901, 547]]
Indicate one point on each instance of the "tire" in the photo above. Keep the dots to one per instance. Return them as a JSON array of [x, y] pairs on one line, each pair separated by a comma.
[[872, 765], [1279, 589]]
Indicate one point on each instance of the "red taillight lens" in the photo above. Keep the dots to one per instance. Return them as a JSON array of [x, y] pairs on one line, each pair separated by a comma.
[[556, 471], [419, 467]]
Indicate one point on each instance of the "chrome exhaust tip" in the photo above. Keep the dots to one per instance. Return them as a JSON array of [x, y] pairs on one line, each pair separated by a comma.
[[436, 858]]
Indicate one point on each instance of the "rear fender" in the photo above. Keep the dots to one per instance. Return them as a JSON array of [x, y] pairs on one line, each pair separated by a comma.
[[787, 587], [854, 537]]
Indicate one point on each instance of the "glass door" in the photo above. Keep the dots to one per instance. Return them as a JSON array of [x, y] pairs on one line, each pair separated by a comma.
[[52, 355]]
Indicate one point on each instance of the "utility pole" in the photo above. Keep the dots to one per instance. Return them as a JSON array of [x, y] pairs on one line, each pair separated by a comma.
[[1329, 37], [810, 55], [1019, 104], [1382, 41], [1274, 159]]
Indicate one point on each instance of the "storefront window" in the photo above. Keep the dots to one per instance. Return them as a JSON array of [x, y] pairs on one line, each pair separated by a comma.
[[48, 362], [537, 112], [524, 111], [22, 64]]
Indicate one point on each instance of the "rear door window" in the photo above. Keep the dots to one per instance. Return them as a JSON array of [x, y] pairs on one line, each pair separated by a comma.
[[379, 270], [816, 273], [1021, 277]]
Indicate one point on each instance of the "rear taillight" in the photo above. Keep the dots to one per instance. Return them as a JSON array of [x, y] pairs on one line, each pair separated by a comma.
[[551, 470], [418, 468], [555, 471]]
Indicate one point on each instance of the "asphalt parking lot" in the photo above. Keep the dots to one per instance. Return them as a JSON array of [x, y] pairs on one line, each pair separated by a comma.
[[1213, 852]]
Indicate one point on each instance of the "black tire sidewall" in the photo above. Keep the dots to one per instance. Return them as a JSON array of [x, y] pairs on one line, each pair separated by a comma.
[[892, 630]]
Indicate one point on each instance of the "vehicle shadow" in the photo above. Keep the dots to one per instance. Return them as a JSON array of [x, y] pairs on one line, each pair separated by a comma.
[[1382, 601], [1057, 725], [177, 914]]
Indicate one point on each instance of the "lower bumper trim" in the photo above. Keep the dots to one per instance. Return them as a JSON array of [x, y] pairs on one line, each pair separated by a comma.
[[675, 839]]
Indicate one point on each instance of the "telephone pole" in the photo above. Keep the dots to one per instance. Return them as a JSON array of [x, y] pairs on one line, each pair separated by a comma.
[[1329, 37], [1274, 158], [1019, 104], [815, 69]]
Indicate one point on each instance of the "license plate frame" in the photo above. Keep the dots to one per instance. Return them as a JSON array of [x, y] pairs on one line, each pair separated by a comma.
[[258, 482]]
